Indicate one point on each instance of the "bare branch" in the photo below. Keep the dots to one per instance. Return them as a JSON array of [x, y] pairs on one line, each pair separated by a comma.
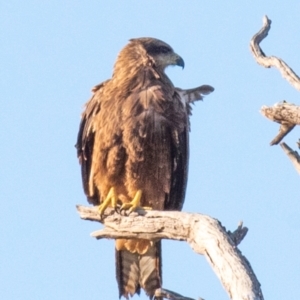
[[287, 114], [205, 235], [272, 61], [284, 129], [167, 294], [238, 235], [292, 155], [284, 113]]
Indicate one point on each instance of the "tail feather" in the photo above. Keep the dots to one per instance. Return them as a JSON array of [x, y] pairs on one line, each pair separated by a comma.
[[150, 269], [127, 265], [135, 271]]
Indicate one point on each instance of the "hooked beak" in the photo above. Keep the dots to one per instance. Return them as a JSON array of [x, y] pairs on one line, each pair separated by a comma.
[[179, 61]]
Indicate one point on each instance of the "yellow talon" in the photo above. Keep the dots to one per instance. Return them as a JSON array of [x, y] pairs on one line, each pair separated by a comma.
[[135, 203], [110, 200]]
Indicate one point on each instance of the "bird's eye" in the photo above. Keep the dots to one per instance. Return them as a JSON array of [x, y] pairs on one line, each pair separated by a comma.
[[163, 49], [155, 50]]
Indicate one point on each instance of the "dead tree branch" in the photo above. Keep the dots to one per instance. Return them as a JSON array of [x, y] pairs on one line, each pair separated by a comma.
[[205, 235], [272, 61], [287, 114], [292, 155], [284, 113], [167, 294]]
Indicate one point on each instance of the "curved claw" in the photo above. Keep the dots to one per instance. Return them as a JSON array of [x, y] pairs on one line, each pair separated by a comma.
[[124, 212], [134, 204], [118, 209], [129, 207]]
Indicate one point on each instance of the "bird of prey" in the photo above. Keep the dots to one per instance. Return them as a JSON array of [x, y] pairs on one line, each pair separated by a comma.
[[133, 149]]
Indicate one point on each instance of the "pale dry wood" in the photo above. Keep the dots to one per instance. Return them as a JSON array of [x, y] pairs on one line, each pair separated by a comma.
[[287, 114], [167, 294], [284, 113], [272, 61], [205, 235], [292, 155]]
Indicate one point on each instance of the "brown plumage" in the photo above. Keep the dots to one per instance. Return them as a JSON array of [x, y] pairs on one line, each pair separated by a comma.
[[133, 137]]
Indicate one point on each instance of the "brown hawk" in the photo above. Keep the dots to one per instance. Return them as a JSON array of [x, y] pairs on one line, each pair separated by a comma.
[[133, 149]]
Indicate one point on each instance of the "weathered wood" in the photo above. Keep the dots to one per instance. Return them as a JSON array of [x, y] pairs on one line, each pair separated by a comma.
[[205, 235], [292, 155], [238, 235], [282, 112], [167, 294], [272, 61], [287, 114]]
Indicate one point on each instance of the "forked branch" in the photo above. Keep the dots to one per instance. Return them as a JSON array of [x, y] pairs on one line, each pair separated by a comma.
[[272, 61], [204, 234], [287, 114]]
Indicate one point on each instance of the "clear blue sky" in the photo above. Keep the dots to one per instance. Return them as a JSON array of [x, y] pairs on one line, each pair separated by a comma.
[[53, 52]]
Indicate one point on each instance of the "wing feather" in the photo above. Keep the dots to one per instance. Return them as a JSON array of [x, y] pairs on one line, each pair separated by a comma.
[[195, 94], [85, 143], [155, 136], [180, 159]]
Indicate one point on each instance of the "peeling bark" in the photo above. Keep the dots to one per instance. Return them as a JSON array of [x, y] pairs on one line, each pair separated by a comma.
[[204, 234]]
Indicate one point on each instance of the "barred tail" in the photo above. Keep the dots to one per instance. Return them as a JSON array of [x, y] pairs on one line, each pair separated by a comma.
[[136, 271]]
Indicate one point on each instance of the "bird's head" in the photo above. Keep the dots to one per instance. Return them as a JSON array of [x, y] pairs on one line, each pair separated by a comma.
[[161, 53], [141, 51]]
